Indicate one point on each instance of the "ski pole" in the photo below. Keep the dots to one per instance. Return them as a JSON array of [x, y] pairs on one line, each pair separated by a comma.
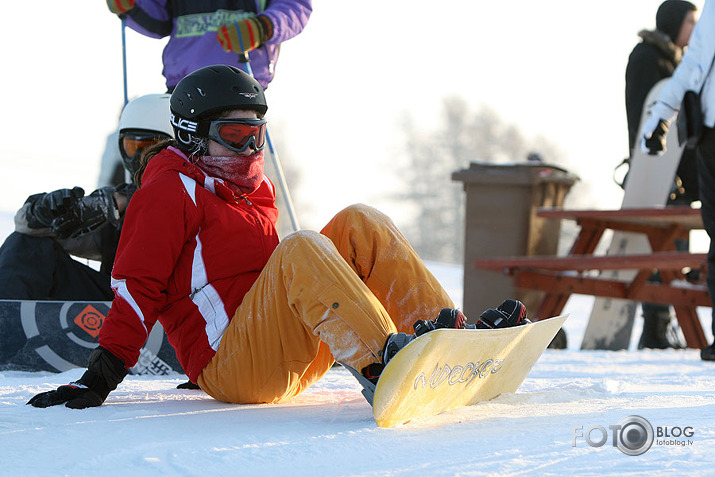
[[124, 59], [243, 58]]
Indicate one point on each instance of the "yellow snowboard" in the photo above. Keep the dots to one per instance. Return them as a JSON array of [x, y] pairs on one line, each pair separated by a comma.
[[445, 369]]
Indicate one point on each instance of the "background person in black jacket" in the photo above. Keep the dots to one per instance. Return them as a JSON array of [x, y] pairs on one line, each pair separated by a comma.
[[653, 59]]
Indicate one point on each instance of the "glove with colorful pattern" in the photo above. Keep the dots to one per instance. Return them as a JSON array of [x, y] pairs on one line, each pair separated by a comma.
[[120, 6], [245, 35]]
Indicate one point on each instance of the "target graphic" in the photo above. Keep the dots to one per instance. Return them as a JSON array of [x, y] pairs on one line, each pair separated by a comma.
[[63, 333], [90, 320]]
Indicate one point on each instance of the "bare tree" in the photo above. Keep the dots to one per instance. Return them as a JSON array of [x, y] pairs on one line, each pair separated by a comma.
[[465, 136]]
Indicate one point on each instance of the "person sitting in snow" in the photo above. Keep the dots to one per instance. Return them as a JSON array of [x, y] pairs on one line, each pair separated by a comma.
[[252, 320], [35, 260]]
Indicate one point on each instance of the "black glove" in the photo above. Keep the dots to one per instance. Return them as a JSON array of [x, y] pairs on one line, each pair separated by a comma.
[[76, 395], [103, 374], [47, 207], [87, 214], [656, 142]]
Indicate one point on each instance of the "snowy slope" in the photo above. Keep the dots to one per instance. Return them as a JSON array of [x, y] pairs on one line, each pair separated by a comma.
[[147, 427]]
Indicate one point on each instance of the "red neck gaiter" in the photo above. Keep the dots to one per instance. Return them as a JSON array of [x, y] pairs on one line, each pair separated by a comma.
[[242, 174]]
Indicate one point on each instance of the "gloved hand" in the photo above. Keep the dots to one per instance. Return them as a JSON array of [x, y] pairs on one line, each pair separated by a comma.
[[656, 128], [120, 6], [47, 207], [245, 35], [103, 374], [87, 214], [76, 395], [654, 142]]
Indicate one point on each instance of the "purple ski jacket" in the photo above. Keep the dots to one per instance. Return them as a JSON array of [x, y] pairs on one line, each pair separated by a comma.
[[192, 25]]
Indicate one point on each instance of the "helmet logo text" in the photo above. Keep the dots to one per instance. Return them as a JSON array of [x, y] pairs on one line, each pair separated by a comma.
[[184, 124]]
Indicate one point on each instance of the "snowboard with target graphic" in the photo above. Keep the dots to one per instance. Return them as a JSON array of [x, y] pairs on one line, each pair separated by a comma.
[[57, 336]]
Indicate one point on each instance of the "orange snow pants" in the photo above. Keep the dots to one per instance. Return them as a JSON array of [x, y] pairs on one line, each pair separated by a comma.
[[321, 297]]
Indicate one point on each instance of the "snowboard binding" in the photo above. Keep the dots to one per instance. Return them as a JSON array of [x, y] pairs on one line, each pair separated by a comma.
[[509, 313], [447, 318]]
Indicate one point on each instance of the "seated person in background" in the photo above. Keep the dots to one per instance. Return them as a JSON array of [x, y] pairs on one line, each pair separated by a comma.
[[35, 260]]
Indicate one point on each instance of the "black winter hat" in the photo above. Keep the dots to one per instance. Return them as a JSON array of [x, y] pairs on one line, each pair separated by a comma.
[[670, 16]]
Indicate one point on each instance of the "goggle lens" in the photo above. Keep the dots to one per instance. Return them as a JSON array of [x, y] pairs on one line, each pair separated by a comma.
[[131, 145], [239, 134]]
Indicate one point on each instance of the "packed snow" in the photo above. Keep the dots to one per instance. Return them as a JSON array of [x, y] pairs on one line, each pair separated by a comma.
[[148, 427]]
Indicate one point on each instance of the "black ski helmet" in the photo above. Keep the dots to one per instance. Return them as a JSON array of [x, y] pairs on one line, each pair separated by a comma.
[[207, 91]]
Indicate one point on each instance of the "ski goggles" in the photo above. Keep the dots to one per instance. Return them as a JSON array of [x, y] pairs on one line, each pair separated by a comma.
[[239, 134], [132, 143]]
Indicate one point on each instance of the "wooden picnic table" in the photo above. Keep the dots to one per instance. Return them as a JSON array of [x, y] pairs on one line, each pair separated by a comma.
[[561, 276]]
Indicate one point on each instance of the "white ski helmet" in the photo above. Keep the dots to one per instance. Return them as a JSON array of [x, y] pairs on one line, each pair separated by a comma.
[[144, 120], [149, 112]]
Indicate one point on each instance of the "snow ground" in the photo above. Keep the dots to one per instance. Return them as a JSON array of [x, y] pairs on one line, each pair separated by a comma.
[[147, 427]]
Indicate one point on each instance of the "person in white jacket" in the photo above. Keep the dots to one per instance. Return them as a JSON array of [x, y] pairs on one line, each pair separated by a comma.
[[693, 73]]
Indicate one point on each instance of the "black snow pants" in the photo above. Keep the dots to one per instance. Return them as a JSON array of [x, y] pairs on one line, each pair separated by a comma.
[[706, 173], [38, 268]]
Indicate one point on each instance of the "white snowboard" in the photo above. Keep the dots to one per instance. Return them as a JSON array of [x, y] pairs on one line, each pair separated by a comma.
[[650, 180]]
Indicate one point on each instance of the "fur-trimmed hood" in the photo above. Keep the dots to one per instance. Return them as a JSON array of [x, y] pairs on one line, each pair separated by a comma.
[[662, 41]]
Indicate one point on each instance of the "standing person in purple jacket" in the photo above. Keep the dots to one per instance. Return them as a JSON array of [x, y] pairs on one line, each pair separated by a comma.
[[211, 32]]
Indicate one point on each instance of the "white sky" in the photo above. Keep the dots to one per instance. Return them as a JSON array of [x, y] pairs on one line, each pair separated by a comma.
[[552, 67]]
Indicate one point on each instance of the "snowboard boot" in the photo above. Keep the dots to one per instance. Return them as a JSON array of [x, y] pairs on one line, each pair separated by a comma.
[[657, 332], [509, 313], [708, 354], [447, 318]]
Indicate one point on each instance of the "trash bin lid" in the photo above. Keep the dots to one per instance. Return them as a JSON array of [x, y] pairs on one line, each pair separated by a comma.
[[514, 173]]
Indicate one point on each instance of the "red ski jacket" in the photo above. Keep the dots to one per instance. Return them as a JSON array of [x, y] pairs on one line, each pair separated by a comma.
[[189, 251]]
